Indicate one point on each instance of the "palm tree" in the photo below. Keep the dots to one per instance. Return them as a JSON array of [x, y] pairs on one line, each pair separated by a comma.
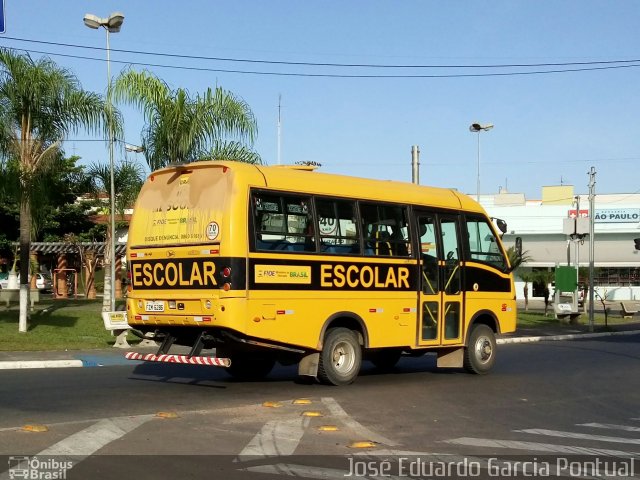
[[545, 277], [181, 128], [40, 104], [514, 260], [526, 277], [128, 178]]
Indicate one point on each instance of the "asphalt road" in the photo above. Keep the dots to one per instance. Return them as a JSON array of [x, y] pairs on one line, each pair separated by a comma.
[[548, 398]]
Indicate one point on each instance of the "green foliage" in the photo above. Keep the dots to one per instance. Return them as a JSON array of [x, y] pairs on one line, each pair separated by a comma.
[[544, 276], [514, 260], [181, 128], [41, 103], [128, 178], [233, 151]]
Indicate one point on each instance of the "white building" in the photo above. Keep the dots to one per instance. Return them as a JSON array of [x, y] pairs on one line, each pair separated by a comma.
[[540, 225]]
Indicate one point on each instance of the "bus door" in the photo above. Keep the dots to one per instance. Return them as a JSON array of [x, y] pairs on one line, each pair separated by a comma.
[[440, 295]]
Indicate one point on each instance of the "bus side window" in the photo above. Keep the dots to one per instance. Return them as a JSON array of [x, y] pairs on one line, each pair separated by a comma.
[[386, 230], [337, 226], [283, 222]]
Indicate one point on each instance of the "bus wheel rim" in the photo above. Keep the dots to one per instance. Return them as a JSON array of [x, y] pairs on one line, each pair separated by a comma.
[[483, 349], [343, 357]]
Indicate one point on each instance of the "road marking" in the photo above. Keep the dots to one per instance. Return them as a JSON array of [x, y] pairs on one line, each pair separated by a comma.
[[93, 438], [304, 471], [278, 437], [581, 436], [624, 428], [539, 447], [84, 443], [363, 432]]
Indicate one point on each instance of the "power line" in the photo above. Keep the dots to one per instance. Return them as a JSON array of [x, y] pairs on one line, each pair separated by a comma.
[[316, 64], [329, 75]]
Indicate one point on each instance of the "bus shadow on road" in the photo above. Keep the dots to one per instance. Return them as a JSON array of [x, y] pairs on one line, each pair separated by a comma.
[[213, 377]]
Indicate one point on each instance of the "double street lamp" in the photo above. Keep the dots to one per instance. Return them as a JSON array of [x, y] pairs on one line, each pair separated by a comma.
[[477, 128], [111, 24]]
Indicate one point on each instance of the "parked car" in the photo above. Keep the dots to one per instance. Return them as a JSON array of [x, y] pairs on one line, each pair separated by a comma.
[[43, 281]]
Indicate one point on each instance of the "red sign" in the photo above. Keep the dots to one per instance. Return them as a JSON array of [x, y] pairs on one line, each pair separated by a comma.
[[574, 213]]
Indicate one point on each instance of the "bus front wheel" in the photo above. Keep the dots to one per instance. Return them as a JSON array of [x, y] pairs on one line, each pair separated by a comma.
[[341, 357], [480, 354]]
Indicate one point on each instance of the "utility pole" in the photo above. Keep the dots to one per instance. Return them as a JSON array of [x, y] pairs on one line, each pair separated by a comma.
[[578, 238], [592, 240], [415, 164]]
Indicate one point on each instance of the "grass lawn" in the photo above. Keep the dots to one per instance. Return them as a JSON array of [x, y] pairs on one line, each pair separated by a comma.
[[535, 318], [56, 325]]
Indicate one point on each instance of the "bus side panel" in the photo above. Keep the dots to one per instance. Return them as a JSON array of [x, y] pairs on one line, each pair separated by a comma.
[[298, 317], [486, 289]]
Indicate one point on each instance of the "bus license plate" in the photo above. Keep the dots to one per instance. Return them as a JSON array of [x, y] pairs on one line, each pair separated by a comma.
[[154, 307]]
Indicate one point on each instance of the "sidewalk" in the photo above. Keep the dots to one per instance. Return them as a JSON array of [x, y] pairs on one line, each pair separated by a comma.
[[115, 356]]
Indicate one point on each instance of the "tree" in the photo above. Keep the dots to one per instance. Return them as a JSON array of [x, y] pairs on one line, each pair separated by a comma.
[[526, 277], [545, 277], [180, 128], [40, 104], [128, 178]]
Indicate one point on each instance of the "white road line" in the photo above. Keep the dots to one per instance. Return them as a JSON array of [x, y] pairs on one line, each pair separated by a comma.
[[539, 447], [624, 428], [581, 436], [336, 410], [84, 443], [93, 438], [304, 471], [278, 437]]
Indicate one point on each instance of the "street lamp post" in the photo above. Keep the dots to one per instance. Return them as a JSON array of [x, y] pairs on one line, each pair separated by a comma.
[[111, 24], [477, 128]]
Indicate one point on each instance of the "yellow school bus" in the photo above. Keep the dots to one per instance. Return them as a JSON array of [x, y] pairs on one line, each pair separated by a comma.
[[286, 264]]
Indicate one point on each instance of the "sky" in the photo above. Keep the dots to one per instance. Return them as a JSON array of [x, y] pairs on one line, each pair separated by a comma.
[[550, 129]]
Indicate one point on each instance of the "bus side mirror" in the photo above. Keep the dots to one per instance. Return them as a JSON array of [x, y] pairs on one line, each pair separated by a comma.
[[502, 225]]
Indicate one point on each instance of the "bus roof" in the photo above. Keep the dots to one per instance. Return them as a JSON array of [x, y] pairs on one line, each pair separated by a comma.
[[302, 178]]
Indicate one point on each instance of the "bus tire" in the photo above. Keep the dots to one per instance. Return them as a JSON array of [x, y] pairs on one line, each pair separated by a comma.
[[341, 357], [250, 367], [386, 359], [480, 353]]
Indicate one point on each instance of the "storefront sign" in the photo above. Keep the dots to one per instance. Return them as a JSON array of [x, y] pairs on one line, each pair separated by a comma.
[[614, 215], [618, 215]]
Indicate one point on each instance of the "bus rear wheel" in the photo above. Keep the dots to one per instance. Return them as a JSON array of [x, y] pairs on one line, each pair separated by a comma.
[[480, 353], [341, 357]]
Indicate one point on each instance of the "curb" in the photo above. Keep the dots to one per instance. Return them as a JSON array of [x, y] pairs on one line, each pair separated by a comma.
[[83, 361], [569, 336], [20, 364]]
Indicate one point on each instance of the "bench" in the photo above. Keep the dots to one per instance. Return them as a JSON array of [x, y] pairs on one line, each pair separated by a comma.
[[13, 295], [629, 309]]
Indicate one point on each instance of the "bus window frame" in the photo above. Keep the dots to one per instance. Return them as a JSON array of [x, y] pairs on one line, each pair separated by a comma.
[[466, 241], [407, 209]]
